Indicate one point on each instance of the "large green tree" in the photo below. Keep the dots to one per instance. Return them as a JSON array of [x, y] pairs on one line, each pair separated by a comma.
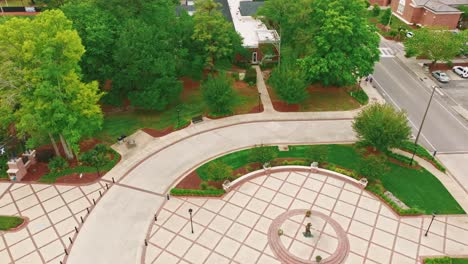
[[214, 33], [218, 93], [382, 127], [290, 83], [435, 44], [50, 99], [345, 45], [98, 31]]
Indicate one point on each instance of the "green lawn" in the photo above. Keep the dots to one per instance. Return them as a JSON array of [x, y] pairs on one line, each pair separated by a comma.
[[416, 188], [8, 222], [191, 104], [395, 24], [446, 260], [459, 260]]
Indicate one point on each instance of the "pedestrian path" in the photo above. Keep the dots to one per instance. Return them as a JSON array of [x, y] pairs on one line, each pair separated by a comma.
[[235, 228], [262, 89]]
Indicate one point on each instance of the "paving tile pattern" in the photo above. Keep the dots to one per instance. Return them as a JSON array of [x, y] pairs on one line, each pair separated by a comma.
[[234, 228], [53, 210]]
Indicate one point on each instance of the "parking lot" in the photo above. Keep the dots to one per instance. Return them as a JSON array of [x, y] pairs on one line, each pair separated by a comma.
[[456, 90]]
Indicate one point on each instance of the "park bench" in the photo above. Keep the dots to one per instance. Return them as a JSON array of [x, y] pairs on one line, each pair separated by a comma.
[[197, 119]]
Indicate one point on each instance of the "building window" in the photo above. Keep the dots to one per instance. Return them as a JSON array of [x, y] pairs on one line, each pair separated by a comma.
[[401, 6]]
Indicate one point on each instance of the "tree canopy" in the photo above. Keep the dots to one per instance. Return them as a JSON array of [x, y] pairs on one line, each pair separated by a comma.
[[50, 99], [218, 93], [435, 44], [381, 126], [345, 45], [290, 83], [214, 33]]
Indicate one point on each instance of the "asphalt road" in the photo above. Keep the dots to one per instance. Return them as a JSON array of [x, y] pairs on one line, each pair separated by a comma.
[[443, 129]]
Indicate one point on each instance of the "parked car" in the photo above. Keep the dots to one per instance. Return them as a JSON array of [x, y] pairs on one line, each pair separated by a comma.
[[441, 76], [461, 71]]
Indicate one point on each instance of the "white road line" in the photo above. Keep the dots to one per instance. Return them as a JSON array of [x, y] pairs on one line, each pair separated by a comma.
[[435, 99], [439, 92], [399, 108]]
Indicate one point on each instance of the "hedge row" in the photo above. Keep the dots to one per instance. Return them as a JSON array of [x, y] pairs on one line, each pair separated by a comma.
[[189, 192], [401, 158], [360, 96], [401, 211], [421, 152]]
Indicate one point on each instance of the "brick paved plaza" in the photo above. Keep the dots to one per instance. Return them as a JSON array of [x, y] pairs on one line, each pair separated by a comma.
[[234, 229]]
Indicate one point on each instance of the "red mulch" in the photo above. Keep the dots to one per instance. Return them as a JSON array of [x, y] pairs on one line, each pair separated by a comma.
[[192, 181], [36, 171], [281, 106], [445, 67], [241, 85], [163, 132], [371, 151], [189, 84]]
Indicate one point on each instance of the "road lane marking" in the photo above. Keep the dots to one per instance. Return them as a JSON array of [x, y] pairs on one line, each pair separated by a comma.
[[399, 108]]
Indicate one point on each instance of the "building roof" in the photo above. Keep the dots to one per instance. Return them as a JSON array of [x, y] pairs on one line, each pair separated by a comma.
[[249, 8], [441, 6]]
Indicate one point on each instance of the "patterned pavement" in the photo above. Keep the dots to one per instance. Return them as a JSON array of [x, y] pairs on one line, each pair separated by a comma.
[[234, 229], [53, 211]]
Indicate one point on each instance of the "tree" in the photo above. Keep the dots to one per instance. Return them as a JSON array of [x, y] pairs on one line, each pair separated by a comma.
[[375, 10], [98, 31], [290, 83], [435, 44], [51, 100], [263, 154], [145, 53], [214, 33], [373, 166], [381, 126], [385, 18], [218, 171], [218, 93], [345, 44]]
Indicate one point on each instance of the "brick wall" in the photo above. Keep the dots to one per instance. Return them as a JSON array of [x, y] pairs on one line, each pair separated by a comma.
[[446, 20]]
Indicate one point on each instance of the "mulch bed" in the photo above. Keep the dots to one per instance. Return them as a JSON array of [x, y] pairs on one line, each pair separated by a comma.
[[160, 133], [371, 151], [444, 66], [281, 106], [36, 171], [192, 180], [75, 178]]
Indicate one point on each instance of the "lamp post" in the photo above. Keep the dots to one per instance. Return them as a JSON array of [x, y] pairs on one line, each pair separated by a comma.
[[422, 123], [178, 117], [433, 216], [191, 223], [259, 101]]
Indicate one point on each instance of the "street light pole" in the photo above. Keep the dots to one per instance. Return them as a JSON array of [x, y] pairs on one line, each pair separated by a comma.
[[422, 123], [191, 223], [427, 231]]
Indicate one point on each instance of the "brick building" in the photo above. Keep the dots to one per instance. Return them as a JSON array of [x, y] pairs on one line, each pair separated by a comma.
[[429, 12]]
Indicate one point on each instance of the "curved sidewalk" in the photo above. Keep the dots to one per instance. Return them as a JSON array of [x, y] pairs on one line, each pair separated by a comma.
[[119, 222]]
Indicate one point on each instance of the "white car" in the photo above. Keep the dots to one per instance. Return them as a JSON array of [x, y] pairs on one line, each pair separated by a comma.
[[441, 76], [461, 71]]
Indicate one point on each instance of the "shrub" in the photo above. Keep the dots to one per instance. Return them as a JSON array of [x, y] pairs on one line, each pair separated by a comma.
[[444, 260], [401, 158], [189, 192], [44, 155], [318, 259], [373, 166], [367, 3], [375, 10], [382, 127], [290, 83], [203, 185], [351, 174], [360, 96], [218, 93], [218, 171], [317, 153], [385, 18], [251, 76], [263, 154], [57, 164]]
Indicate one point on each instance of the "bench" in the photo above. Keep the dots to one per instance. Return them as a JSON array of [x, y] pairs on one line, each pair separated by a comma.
[[197, 119], [121, 139], [131, 143]]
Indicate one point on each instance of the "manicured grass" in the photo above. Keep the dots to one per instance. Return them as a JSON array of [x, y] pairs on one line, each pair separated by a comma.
[[191, 104], [417, 188], [15, 3], [8, 222], [446, 260], [459, 260]]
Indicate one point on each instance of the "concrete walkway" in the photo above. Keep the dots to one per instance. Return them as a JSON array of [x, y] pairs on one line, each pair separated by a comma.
[[262, 89], [113, 225]]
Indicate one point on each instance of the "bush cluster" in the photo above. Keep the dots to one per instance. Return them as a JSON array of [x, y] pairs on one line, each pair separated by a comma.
[[401, 158], [251, 76], [57, 164], [360, 96]]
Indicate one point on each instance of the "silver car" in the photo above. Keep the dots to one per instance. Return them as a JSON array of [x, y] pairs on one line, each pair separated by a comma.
[[461, 71], [441, 76]]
